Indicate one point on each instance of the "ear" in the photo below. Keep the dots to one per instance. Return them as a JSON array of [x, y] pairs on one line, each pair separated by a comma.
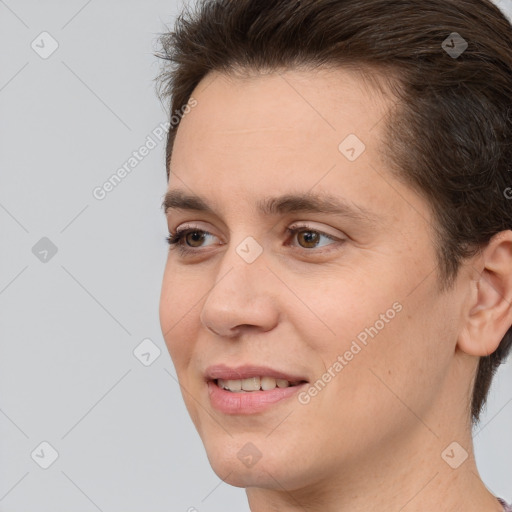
[[489, 314]]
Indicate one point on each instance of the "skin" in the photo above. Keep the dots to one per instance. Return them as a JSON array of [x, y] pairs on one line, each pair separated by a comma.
[[372, 439]]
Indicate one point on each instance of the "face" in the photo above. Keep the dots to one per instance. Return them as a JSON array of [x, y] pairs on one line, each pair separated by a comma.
[[333, 311]]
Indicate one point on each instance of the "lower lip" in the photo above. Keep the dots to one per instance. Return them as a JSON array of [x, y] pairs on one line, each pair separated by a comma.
[[251, 402]]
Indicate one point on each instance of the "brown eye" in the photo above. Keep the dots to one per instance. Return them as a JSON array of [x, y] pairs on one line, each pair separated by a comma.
[[194, 237], [187, 240], [308, 238]]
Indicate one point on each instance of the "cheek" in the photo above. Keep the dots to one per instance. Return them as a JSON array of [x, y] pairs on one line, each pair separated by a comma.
[[182, 288], [179, 306], [343, 307], [377, 341], [402, 365], [178, 311], [374, 385]]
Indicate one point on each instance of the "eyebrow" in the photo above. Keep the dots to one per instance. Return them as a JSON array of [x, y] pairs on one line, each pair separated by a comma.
[[279, 205]]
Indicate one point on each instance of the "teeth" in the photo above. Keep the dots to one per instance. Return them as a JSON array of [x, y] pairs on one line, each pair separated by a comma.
[[252, 384], [268, 383], [233, 385]]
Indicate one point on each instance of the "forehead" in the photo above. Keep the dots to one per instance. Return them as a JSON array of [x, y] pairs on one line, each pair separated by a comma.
[[288, 104], [270, 134]]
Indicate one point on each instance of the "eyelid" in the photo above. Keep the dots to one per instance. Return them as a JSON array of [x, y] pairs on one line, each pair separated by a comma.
[[181, 231], [322, 250], [307, 225], [192, 226]]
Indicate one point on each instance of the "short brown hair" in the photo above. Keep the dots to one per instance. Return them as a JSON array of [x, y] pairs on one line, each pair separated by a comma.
[[450, 137]]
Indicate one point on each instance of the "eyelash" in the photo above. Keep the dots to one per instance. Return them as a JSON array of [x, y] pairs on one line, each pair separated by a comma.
[[176, 239]]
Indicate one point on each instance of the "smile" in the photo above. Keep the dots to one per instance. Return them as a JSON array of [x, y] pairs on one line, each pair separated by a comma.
[[254, 384], [244, 402]]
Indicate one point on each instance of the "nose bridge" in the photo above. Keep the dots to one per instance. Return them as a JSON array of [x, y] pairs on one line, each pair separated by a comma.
[[240, 294], [243, 263], [241, 271]]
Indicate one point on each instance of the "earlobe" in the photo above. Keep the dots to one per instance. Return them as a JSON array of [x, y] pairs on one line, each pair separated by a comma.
[[489, 315]]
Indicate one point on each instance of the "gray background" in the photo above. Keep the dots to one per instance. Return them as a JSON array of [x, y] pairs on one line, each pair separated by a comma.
[[70, 323]]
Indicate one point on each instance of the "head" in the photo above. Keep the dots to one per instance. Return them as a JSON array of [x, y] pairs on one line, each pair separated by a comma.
[[407, 292]]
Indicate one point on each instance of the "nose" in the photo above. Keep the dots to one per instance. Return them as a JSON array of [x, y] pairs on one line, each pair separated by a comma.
[[242, 298]]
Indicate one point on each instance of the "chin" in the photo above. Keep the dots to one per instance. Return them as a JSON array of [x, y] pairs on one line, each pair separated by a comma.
[[239, 463]]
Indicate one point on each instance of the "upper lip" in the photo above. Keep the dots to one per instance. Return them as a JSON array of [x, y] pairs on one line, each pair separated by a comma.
[[221, 371]]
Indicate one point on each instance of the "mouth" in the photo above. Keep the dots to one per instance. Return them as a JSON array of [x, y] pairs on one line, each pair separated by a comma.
[[252, 384], [250, 389]]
